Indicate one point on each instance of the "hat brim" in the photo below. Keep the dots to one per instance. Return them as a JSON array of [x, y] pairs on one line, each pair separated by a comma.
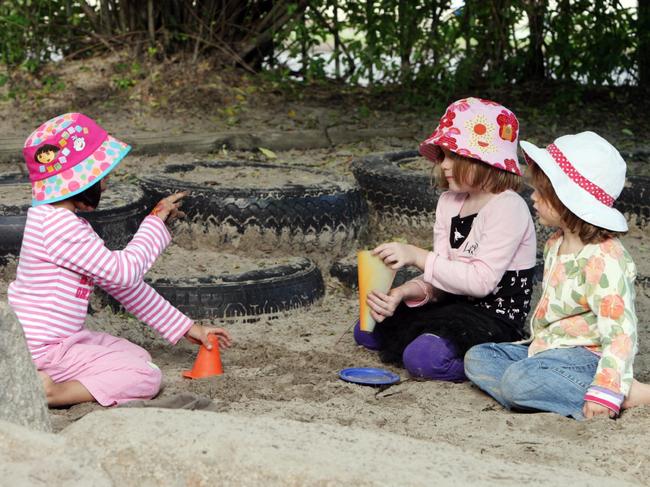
[[431, 151], [584, 205], [80, 177]]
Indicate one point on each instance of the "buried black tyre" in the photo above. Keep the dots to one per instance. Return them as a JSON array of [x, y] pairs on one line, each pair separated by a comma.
[[120, 212], [269, 291], [399, 184], [395, 189], [292, 204], [347, 273], [634, 200], [14, 201]]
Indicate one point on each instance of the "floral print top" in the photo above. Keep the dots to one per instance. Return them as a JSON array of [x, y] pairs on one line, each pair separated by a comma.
[[588, 301]]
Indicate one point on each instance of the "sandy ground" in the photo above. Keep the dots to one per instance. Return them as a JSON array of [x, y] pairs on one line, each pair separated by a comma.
[[286, 369]]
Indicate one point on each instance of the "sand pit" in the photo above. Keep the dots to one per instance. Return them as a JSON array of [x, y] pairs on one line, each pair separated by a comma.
[[286, 369], [284, 417], [197, 262], [249, 177]]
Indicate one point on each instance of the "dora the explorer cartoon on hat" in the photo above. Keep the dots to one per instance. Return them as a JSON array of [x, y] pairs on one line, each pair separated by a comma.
[[46, 154]]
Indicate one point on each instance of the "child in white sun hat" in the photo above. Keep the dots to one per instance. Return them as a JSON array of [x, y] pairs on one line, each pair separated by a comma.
[[578, 361], [61, 259]]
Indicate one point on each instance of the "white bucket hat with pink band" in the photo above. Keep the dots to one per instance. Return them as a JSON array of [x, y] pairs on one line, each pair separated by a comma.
[[476, 128], [67, 154], [587, 174]]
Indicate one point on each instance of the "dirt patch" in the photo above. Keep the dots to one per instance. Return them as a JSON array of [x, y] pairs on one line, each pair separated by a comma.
[[261, 243], [250, 177], [16, 195], [287, 368], [200, 262]]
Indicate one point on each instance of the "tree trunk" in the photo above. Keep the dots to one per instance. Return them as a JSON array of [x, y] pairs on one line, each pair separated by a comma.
[[643, 31], [406, 23], [337, 39], [370, 33], [105, 14], [500, 41], [467, 28], [534, 68], [150, 23]]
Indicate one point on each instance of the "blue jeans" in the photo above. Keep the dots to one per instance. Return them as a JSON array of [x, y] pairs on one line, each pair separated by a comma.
[[555, 380]]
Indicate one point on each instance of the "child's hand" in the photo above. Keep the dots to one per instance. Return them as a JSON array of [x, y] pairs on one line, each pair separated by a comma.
[[397, 255], [199, 334], [383, 305], [591, 409], [167, 208], [394, 254]]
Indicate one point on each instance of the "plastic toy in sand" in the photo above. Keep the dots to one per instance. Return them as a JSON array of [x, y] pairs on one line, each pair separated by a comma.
[[207, 363], [373, 275], [369, 376]]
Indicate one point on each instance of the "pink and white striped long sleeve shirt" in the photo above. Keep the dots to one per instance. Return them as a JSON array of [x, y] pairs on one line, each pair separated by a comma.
[[60, 261]]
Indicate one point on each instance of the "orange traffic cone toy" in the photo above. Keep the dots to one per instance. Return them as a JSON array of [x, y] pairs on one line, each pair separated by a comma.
[[207, 363]]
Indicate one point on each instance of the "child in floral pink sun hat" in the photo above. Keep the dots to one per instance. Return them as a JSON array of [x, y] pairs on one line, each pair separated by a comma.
[[61, 259], [578, 362], [477, 282]]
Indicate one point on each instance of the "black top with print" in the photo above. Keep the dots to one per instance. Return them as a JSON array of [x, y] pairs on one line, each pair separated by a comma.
[[510, 300]]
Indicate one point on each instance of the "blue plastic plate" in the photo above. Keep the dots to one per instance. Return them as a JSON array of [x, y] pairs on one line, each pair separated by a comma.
[[369, 376]]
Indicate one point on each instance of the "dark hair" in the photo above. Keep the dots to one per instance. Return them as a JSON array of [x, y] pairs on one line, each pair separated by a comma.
[[45, 148], [478, 174], [588, 233], [89, 196]]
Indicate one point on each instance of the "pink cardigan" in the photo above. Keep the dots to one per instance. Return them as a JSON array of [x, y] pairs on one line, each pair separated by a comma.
[[502, 238]]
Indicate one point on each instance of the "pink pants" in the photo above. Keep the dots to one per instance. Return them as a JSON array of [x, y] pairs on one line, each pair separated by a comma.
[[113, 369]]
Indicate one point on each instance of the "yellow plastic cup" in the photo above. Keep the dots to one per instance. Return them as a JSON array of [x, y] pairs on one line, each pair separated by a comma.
[[374, 275]]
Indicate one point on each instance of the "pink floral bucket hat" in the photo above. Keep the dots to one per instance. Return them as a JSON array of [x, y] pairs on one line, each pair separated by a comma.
[[476, 128], [67, 154]]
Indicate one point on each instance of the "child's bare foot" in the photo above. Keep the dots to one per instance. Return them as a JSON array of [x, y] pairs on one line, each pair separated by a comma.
[[48, 383], [64, 393], [638, 396]]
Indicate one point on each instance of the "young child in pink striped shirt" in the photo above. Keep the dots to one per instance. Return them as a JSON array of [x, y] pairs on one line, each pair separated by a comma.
[[69, 158]]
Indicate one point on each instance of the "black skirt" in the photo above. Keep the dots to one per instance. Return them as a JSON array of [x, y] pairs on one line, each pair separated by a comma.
[[462, 323]]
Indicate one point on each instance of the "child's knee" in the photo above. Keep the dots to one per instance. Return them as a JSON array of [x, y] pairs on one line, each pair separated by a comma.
[[154, 378], [147, 379], [518, 384], [432, 357], [365, 339], [474, 360]]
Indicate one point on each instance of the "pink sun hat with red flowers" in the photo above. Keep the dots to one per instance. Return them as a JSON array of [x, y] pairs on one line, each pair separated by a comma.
[[68, 154], [476, 128]]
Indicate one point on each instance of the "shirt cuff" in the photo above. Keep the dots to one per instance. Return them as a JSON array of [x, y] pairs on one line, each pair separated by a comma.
[[411, 303], [605, 397]]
